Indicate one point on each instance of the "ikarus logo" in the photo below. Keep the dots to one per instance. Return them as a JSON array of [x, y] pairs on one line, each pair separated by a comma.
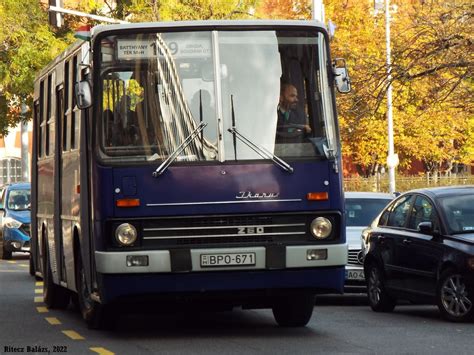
[[256, 195]]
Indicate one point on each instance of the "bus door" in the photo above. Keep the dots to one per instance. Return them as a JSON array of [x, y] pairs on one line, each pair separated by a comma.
[[60, 90]]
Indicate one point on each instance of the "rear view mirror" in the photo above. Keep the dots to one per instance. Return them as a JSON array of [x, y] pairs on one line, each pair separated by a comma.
[[341, 76], [83, 94]]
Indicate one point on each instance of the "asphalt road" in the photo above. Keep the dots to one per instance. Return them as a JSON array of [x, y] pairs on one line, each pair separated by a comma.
[[340, 325]]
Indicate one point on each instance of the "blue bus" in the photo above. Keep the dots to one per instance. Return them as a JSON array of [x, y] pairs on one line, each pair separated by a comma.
[[190, 160]]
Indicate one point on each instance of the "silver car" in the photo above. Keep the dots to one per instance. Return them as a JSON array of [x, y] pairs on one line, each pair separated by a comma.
[[361, 210]]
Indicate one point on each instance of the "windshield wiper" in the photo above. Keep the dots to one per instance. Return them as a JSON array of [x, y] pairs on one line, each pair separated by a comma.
[[162, 168], [264, 153]]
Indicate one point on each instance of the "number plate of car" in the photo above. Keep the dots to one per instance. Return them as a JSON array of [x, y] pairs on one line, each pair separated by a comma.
[[355, 275], [227, 259]]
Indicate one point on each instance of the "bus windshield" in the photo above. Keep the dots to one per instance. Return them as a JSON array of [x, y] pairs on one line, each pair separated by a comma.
[[270, 87]]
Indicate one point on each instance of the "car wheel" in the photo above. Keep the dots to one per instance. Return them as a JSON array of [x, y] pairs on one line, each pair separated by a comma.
[[455, 297], [293, 310], [95, 314], [5, 254], [54, 296], [379, 299]]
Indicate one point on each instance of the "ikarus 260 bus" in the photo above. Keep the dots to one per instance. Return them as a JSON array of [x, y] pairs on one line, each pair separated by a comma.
[[190, 160]]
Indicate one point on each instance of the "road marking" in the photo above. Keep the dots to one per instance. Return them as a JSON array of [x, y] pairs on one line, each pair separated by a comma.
[[11, 261], [38, 290], [39, 283], [24, 265], [53, 321], [39, 299], [102, 351], [11, 271], [73, 335], [42, 309]]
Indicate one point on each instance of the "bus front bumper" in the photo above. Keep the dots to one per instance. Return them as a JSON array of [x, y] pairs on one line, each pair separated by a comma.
[[221, 259]]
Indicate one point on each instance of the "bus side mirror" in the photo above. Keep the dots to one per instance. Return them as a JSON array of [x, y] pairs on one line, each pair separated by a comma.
[[83, 94], [341, 76]]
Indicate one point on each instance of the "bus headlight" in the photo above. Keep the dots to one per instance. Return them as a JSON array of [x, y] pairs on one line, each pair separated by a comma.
[[126, 234], [321, 228]]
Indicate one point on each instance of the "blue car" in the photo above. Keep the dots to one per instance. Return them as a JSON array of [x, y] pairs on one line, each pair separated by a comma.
[[16, 220]]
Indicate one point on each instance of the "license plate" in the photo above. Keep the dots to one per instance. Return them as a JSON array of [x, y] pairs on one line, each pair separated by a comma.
[[355, 275], [227, 259]]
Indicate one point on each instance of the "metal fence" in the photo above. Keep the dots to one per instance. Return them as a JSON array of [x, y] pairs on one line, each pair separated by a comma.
[[404, 183]]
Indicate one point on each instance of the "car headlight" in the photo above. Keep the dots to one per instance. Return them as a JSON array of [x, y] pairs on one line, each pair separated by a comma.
[[126, 234], [11, 223], [321, 228]]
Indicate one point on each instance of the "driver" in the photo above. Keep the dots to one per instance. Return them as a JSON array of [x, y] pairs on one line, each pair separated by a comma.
[[292, 121]]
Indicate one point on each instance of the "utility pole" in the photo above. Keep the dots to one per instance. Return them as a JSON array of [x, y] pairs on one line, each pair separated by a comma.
[[25, 171], [392, 158], [60, 10], [318, 10], [56, 19]]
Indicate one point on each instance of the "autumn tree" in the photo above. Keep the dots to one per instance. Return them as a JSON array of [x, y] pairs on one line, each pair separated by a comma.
[[26, 45], [432, 66], [285, 9], [172, 10]]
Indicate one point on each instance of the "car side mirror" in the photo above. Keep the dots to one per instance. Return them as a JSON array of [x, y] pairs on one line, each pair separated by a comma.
[[341, 76], [426, 227], [83, 94]]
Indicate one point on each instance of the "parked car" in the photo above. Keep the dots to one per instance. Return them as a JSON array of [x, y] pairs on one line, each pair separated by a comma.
[[2, 190], [421, 249], [361, 209], [16, 220]]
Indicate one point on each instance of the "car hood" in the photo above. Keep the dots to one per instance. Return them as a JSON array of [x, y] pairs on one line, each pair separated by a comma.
[[465, 237], [353, 237], [20, 216]]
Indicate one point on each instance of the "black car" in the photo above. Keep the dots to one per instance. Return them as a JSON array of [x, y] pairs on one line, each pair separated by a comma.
[[421, 249]]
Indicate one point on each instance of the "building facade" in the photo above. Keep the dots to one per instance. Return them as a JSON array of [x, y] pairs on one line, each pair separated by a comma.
[[10, 155]]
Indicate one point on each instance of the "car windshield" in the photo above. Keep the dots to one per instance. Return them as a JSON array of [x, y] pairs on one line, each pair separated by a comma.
[[268, 86], [360, 212], [19, 200], [459, 212]]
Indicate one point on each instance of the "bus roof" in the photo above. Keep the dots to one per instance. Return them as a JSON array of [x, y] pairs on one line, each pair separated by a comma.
[[222, 24]]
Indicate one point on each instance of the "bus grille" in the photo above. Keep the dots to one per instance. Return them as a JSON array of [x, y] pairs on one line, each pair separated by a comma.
[[216, 230]]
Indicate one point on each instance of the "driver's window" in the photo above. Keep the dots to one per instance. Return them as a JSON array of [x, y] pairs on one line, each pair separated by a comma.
[[422, 211]]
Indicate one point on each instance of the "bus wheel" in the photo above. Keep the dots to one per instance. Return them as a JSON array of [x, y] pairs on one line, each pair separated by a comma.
[[32, 267], [293, 309], [92, 312], [54, 296]]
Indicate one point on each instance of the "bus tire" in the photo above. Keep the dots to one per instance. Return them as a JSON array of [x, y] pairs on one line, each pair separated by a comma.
[[32, 266], [294, 309], [95, 314], [54, 296]]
